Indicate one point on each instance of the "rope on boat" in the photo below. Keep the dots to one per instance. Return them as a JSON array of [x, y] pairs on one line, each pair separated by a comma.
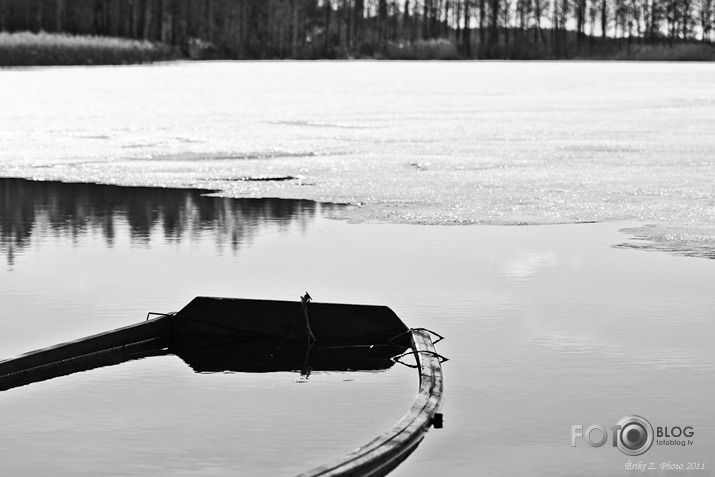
[[413, 352], [304, 301], [409, 331], [398, 359], [439, 337], [159, 315]]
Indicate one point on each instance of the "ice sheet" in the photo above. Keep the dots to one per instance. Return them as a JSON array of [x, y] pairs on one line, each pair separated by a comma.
[[407, 142]]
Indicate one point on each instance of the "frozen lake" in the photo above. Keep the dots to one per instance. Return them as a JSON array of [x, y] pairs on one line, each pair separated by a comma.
[[417, 142], [547, 326]]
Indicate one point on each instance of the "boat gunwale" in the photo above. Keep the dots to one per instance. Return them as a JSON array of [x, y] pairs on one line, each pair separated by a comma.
[[382, 454]]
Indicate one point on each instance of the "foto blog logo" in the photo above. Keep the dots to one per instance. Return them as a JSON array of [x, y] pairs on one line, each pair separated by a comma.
[[633, 435]]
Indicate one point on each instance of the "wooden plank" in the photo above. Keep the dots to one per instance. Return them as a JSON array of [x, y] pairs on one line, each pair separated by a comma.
[[147, 338], [381, 455]]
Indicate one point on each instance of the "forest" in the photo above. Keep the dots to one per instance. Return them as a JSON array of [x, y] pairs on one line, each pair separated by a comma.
[[405, 29]]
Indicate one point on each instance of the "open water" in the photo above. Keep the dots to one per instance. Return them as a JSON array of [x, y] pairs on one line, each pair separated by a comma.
[[555, 324]]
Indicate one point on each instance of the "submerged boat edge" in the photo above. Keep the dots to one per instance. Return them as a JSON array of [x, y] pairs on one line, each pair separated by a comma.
[[381, 455]]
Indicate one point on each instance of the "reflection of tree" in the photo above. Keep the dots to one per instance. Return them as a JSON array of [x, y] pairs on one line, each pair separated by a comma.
[[75, 209]]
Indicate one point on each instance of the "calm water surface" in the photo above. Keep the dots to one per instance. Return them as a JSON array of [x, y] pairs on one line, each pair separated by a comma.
[[80, 259], [546, 327]]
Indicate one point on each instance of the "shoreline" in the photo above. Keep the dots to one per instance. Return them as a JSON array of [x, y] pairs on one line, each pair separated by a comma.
[[672, 239], [27, 49]]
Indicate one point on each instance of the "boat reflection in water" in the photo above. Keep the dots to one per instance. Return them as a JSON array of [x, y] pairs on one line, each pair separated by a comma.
[[273, 355]]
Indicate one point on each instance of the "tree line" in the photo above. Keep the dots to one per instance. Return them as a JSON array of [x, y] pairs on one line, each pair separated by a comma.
[[358, 28]]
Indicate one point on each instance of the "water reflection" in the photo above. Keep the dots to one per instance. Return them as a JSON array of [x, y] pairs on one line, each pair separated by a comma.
[[265, 356], [75, 209], [203, 356]]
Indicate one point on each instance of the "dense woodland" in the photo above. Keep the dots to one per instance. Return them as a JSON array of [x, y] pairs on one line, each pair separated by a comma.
[[376, 28]]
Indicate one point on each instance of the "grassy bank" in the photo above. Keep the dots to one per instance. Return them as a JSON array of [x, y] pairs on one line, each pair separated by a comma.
[[545, 47], [43, 49], [677, 52]]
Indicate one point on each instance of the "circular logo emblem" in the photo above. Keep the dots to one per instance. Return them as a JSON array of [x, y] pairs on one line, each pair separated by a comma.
[[635, 435]]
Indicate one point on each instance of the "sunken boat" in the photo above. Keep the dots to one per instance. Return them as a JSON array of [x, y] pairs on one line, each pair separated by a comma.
[[228, 334]]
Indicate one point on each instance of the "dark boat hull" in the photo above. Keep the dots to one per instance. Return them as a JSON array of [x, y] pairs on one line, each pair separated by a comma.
[[330, 322]]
